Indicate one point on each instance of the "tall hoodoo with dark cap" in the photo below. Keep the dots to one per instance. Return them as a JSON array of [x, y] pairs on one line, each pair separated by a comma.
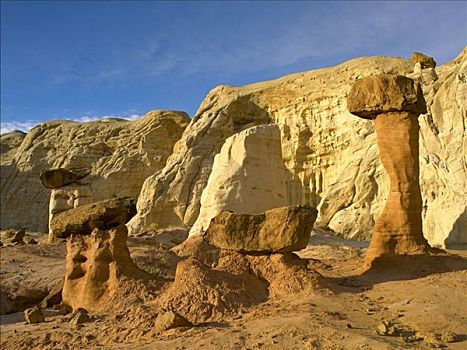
[[394, 103]]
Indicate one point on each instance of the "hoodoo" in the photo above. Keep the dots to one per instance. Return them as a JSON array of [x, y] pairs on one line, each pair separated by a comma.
[[394, 103]]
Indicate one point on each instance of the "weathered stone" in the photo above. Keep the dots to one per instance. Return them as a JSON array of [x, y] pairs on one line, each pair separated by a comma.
[[80, 316], [95, 264], [168, 319], [248, 176], [399, 228], [121, 154], [424, 60], [171, 198], [283, 229], [30, 240], [99, 215], [34, 315], [56, 178], [449, 337], [18, 236], [54, 297], [385, 93]]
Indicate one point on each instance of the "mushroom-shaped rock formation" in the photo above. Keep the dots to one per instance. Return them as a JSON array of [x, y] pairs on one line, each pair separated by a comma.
[[84, 219], [424, 60], [394, 103]]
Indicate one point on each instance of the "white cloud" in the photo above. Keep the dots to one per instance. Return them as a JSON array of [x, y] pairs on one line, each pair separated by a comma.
[[11, 126], [25, 126]]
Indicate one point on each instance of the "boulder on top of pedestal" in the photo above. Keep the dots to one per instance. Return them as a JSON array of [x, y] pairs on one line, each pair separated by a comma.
[[101, 215], [282, 230], [56, 178], [424, 60], [384, 93]]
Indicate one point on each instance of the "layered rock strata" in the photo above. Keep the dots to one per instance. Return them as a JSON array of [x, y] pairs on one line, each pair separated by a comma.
[[120, 155], [395, 102], [285, 229], [248, 176]]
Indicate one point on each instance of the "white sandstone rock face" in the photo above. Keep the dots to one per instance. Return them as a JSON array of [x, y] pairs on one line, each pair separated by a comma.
[[330, 154], [121, 154], [248, 176]]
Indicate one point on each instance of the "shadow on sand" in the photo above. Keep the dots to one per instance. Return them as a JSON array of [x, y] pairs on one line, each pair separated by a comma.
[[398, 268]]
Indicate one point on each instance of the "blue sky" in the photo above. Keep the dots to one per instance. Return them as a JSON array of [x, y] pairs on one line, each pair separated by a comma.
[[83, 60]]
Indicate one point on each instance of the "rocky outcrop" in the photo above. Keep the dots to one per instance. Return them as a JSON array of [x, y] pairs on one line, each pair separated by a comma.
[[285, 229], [331, 155], [120, 155], [394, 102], [95, 266], [99, 215], [248, 176], [171, 197]]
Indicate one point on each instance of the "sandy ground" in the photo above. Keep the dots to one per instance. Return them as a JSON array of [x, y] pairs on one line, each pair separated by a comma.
[[422, 297]]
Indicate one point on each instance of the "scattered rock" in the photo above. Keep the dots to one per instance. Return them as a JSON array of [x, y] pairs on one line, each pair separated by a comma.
[[385, 328], [99, 215], [79, 316], [424, 60], [54, 297], [449, 337], [18, 236], [168, 319], [30, 240], [283, 229], [34, 315]]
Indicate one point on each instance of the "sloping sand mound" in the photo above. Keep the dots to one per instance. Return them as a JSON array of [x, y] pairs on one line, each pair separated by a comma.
[[203, 294]]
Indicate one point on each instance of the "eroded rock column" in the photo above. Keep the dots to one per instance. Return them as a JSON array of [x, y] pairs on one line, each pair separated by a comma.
[[394, 103]]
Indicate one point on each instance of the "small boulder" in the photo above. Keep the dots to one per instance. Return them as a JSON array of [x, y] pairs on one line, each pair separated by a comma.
[[168, 319], [449, 337], [54, 297], [386, 328], [30, 240], [18, 236], [105, 214], [34, 315], [79, 316], [285, 229]]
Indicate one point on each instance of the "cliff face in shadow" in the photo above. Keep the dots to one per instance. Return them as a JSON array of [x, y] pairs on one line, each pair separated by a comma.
[[120, 155]]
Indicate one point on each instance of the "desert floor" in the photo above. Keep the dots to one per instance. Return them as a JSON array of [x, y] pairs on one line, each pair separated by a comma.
[[423, 298]]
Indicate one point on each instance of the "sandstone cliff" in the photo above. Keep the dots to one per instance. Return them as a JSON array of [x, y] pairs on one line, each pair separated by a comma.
[[332, 156], [120, 154], [248, 176]]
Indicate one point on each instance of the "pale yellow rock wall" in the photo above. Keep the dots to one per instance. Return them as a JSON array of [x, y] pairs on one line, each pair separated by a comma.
[[248, 176], [121, 155]]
